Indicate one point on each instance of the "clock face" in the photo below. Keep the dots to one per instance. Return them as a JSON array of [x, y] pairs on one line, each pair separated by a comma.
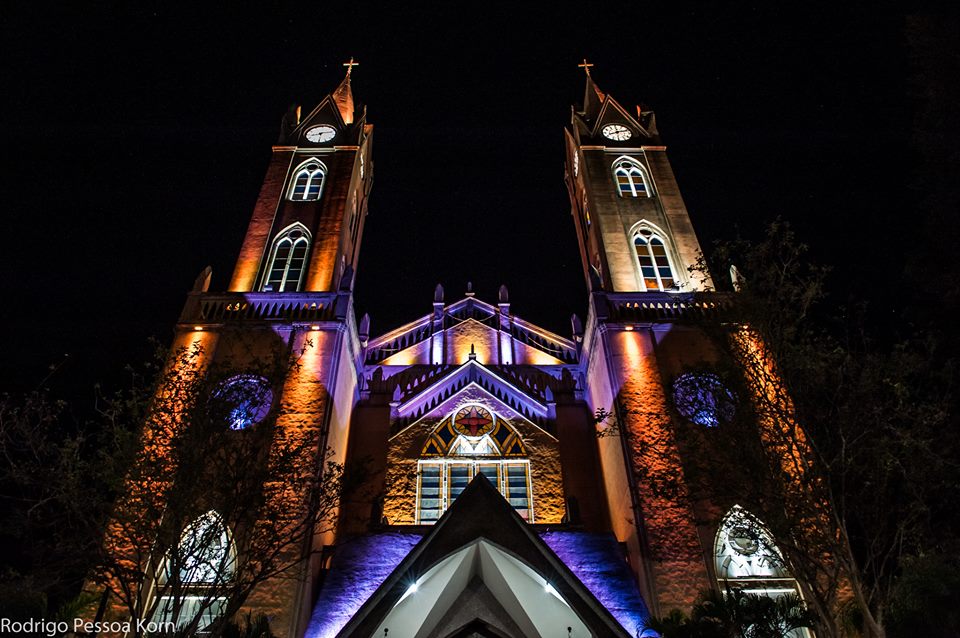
[[320, 134], [616, 132]]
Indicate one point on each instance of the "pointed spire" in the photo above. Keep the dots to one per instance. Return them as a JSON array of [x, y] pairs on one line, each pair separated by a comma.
[[343, 95], [593, 97]]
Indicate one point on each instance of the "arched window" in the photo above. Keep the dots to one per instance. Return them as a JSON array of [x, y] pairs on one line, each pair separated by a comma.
[[195, 573], [307, 183], [472, 441], [288, 259], [747, 558], [654, 263], [631, 178]]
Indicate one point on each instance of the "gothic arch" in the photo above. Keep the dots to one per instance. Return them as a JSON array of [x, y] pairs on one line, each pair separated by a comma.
[[287, 263], [632, 177], [205, 554], [747, 557], [472, 440], [191, 581], [655, 257], [306, 183]]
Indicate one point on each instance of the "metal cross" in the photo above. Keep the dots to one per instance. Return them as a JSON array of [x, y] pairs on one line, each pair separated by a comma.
[[585, 66], [350, 65]]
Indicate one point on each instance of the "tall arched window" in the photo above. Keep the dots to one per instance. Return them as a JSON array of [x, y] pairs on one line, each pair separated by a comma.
[[472, 441], [654, 263], [631, 178], [192, 581], [288, 259], [747, 558], [307, 183]]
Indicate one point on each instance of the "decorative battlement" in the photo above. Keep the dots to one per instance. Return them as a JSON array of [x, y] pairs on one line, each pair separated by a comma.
[[285, 307]]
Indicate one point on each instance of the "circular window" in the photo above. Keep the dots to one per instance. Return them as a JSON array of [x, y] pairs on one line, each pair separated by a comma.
[[244, 399], [704, 399], [473, 420]]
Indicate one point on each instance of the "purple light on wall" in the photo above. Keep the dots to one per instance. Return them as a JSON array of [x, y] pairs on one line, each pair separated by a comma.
[[596, 559], [359, 567]]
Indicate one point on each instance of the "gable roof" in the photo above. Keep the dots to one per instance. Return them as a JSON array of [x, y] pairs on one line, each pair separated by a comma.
[[481, 536]]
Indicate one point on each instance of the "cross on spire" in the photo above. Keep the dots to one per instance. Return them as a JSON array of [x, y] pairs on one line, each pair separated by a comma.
[[350, 65], [585, 66]]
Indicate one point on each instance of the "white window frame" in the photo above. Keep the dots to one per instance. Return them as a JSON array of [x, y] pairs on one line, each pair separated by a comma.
[[775, 583], [654, 234], [445, 463], [311, 175], [634, 165], [282, 236], [195, 592]]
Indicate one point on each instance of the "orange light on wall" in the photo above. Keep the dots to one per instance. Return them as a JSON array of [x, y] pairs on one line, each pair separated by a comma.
[[650, 442]]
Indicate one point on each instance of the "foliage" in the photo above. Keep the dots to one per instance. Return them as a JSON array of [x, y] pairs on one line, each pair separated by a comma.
[[844, 445], [158, 457], [736, 614], [863, 433]]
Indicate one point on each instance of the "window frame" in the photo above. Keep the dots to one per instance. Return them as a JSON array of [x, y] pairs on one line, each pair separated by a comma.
[[637, 233], [633, 164], [201, 589], [301, 169], [282, 236], [447, 498]]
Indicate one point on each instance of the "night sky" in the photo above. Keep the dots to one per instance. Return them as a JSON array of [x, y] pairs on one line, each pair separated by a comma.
[[135, 141]]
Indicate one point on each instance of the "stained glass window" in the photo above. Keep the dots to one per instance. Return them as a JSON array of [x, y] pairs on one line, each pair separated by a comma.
[[204, 553], [288, 260], [654, 263], [472, 440], [748, 559], [703, 398], [244, 400], [308, 181], [203, 559], [631, 178]]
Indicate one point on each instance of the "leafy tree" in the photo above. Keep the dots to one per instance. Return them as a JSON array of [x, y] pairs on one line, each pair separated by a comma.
[[736, 614], [847, 444], [167, 502], [863, 434]]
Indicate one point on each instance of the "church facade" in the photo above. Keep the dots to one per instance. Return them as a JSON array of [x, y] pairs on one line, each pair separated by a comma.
[[514, 479]]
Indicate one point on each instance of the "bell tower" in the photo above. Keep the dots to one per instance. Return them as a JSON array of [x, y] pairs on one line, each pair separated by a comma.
[[304, 235], [290, 301], [632, 225]]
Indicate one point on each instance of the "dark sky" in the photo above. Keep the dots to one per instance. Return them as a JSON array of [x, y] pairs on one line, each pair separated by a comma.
[[135, 140]]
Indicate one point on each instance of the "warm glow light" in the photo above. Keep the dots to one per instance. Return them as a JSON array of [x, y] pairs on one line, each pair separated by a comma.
[[314, 327], [198, 328], [628, 328]]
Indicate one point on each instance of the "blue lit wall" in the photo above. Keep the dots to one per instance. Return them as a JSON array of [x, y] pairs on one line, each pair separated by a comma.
[[596, 559], [359, 567]]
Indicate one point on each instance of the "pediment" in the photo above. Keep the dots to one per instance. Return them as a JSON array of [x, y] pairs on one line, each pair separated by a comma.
[[470, 383], [325, 113], [481, 546], [612, 113]]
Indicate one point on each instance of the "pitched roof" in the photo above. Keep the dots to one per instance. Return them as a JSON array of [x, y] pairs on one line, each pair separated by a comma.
[[481, 537]]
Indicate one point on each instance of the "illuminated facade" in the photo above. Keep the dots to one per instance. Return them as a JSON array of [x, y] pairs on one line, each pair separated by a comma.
[[568, 532]]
